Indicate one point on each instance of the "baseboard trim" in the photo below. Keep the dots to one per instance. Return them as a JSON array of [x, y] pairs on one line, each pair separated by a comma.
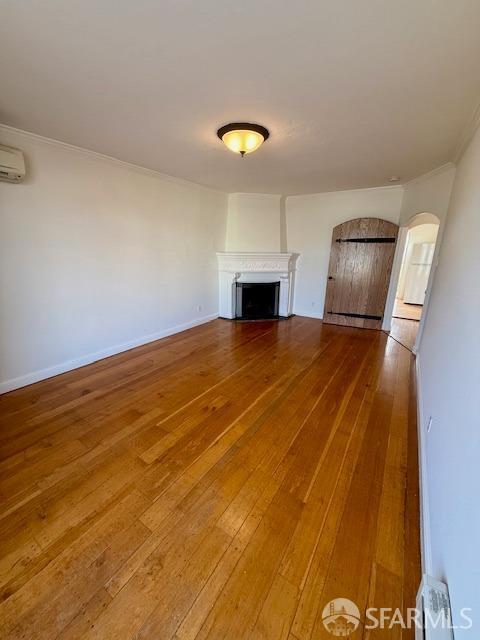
[[76, 363], [308, 314], [425, 531]]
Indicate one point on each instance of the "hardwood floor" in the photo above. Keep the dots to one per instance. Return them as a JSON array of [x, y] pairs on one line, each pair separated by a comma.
[[226, 482], [404, 331], [407, 311]]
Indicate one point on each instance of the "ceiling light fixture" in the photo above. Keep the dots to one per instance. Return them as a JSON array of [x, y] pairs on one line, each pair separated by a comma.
[[243, 137], [394, 179]]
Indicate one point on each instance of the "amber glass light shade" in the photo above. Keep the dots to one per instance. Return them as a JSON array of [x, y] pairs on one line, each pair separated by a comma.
[[243, 137]]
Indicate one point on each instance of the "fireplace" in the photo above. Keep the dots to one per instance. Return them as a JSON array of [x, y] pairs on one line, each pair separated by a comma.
[[272, 279], [257, 300]]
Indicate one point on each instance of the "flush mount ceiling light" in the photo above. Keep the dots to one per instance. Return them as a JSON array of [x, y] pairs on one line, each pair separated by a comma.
[[243, 137]]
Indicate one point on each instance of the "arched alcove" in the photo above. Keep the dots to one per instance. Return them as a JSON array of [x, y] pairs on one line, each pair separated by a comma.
[[423, 218], [412, 277]]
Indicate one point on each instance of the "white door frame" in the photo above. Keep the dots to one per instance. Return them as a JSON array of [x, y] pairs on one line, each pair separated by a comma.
[[395, 276]]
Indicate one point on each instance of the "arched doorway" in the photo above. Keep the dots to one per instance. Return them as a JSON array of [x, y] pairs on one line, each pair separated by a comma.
[[414, 279]]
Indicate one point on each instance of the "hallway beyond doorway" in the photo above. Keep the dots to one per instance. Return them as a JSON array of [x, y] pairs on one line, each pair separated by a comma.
[[407, 311]]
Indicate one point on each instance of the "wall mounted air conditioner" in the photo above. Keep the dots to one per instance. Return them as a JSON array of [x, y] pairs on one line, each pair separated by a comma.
[[12, 164], [434, 604]]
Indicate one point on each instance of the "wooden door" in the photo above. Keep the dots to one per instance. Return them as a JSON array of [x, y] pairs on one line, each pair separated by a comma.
[[361, 260]]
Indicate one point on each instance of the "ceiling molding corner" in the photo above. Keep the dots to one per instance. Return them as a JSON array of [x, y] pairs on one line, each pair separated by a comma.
[[95, 155], [468, 133], [426, 176]]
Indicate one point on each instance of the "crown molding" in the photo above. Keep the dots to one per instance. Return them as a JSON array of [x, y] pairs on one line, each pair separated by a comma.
[[277, 196], [95, 155], [386, 187], [426, 176], [468, 133]]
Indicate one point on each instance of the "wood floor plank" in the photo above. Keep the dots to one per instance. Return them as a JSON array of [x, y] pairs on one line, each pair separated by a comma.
[[238, 605], [352, 555], [312, 593], [207, 597], [223, 482], [49, 589]]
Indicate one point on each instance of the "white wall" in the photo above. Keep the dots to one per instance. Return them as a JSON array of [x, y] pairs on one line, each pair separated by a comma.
[[310, 222], [428, 193], [449, 382], [254, 222], [96, 255], [416, 235]]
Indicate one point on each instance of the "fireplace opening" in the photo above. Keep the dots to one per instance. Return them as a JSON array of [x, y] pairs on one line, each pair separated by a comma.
[[257, 300]]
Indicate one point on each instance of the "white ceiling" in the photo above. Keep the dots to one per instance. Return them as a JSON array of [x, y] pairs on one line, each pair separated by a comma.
[[353, 91]]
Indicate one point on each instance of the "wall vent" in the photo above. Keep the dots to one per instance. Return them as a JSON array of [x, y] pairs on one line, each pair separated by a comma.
[[434, 604]]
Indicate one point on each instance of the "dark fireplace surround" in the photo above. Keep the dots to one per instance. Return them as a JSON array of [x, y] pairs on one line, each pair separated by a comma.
[[257, 300]]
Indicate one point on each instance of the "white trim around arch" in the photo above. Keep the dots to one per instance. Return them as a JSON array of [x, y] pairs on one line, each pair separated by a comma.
[[397, 265]]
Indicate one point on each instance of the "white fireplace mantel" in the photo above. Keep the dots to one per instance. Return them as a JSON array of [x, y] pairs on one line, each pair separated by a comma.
[[236, 267]]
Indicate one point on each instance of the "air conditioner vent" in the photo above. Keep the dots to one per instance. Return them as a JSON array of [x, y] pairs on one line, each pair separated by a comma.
[[439, 602], [434, 604], [12, 164]]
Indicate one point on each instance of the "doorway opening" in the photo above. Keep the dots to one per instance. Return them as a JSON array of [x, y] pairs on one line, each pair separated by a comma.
[[414, 278]]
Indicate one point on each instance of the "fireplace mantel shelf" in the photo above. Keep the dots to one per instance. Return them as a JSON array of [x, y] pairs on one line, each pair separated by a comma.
[[234, 262], [235, 266]]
